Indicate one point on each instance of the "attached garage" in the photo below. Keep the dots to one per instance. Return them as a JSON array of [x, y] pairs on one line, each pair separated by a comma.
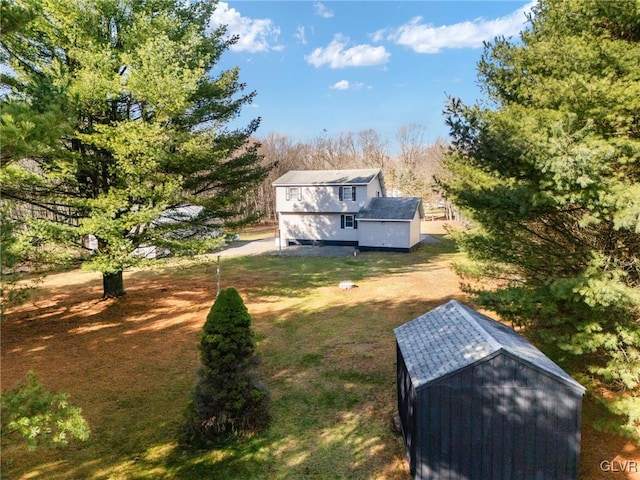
[[478, 401], [389, 223]]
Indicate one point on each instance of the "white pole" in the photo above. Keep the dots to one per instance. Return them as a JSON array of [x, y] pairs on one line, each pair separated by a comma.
[[218, 277]]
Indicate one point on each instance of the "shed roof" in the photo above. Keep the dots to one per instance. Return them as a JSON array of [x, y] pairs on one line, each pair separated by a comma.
[[328, 177], [454, 336], [391, 208]]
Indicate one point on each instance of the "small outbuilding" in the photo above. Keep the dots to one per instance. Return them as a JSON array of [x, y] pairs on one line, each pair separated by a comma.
[[478, 401], [390, 223]]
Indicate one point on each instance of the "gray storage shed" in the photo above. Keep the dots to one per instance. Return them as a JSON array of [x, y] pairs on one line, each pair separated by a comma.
[[477, 401]]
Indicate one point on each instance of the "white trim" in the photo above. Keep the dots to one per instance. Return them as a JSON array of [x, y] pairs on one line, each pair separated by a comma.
[[385, 219]]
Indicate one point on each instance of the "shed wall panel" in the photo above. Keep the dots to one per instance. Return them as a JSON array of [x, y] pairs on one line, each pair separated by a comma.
[[382, 234], [490, 422], [415, 234], [407, 403]]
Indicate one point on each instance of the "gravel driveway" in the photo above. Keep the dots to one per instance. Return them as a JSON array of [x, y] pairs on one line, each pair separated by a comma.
[[268, 246]]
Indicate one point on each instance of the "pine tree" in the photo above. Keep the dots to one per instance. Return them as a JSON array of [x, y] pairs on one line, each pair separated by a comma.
[[549, 171], [228, 400], [37, 417], [140, 109]]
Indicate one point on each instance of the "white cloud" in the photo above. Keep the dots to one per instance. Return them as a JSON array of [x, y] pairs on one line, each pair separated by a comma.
[[336, 56], [346, 85], [426, 38], [378, 35], [322, 11], [300, 35], [256, 35], [341, 85]]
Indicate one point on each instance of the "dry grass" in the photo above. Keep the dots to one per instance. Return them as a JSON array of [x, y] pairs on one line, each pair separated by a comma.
[[327, 355]]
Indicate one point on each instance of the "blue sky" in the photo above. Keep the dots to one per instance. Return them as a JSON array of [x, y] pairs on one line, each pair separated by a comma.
[[321, 68]]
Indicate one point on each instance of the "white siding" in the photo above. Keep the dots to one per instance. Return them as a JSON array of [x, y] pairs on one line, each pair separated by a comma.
[[314, 227], [415, 235], [380, 234], [322, 198], [313, 212], [374, 189]]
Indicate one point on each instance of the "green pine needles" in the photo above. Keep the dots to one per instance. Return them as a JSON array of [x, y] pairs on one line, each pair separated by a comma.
[[39, 418], [114, 125], [549, 174], [228, 400]]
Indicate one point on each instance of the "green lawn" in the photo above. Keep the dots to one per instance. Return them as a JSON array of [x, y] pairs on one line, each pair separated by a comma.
[[327, 355]]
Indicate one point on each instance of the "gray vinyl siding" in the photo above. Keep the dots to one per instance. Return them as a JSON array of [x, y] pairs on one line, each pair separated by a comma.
[[375, 189], [307, 202]]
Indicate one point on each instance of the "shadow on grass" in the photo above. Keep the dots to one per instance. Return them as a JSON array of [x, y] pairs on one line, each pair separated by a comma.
[[130, 365], [327, 356]]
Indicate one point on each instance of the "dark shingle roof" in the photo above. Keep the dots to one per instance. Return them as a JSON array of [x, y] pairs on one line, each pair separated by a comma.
[[328, 177], [454, 336], [390, 208]]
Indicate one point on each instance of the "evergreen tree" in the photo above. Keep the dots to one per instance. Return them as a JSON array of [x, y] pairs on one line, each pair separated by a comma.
[[137, 84], [37, 417], [549, 171], [228, 399]]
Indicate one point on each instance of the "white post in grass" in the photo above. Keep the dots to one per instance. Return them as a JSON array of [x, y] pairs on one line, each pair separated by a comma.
[[218, 277]]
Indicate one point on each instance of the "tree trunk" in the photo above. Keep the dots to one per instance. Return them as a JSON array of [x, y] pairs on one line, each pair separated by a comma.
[[112, 285]]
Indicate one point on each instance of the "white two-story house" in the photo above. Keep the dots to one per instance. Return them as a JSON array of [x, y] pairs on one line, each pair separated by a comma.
[[345, 207]]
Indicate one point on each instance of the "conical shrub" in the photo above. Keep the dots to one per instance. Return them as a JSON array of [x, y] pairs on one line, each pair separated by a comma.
[[228, 399]]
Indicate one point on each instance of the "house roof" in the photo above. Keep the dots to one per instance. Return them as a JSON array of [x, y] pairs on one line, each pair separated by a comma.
[[454, 336], [391, 208], [327, 177]]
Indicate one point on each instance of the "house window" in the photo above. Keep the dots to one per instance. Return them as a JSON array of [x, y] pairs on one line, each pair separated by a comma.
[[294, 193], [347, 193], [348, 221]]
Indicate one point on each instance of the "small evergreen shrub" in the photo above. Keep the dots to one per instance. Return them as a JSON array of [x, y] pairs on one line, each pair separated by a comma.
[[228, 400], [37, 417]]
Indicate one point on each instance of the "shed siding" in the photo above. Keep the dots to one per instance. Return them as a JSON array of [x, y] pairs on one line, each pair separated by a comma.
[[380, 234], [406, 409], [498, 419], [415, 229]]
